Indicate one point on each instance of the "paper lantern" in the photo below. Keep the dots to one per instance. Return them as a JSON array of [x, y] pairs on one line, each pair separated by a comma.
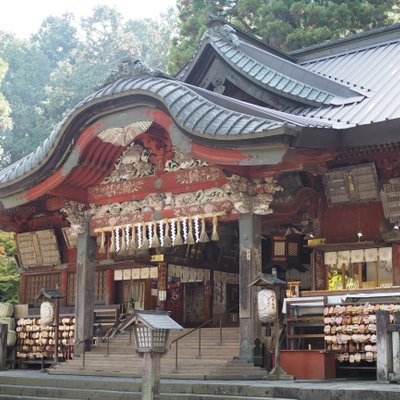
[[266, 305], [46, 313]]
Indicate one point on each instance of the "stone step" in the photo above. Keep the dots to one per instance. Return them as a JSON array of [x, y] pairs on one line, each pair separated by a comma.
[[44, 387], [124, 360], [66, 392]]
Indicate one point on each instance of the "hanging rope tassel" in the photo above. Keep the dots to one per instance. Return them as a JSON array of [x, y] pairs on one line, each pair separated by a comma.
[[111, 249], [203, 235], [145, 241], [122, 248], [190, 238], [167, 238], [156, 241], [214, 234], [102, 240], [178, 238], [132, 244]]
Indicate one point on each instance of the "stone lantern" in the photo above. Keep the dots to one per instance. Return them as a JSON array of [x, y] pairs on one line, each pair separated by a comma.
[[151, 329]]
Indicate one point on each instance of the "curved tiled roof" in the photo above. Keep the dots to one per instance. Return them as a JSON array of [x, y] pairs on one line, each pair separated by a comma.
[[278, 75], [197, 112]]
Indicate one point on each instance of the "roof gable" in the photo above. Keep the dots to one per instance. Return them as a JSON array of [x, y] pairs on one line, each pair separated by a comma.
[[273, 73]]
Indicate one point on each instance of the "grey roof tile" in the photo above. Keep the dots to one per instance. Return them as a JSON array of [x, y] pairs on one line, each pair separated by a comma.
[[272, 72], [373, 67], [195, 110]]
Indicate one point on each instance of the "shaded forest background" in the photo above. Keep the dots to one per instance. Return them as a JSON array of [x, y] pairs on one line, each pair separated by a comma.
[[44, 76]]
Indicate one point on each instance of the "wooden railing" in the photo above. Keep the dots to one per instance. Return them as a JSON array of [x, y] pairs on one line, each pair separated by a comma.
[[198, 328]]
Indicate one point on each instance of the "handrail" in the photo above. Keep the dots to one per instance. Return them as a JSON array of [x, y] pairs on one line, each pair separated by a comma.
[[86, 341], [198, 328]]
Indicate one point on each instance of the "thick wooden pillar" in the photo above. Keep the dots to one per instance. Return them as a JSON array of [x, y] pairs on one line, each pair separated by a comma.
[[85, 274], [64, 287], [207, 301], [396, 263], [109, 286], [162, 284], [3, 346], [22, 289], [321, 272], [249, 269], [384, 362]]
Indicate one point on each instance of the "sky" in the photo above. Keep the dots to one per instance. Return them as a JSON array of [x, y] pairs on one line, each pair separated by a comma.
[[24, 17]]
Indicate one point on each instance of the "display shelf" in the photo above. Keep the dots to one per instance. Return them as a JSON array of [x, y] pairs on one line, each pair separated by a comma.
[[36, 342], [350, 331]]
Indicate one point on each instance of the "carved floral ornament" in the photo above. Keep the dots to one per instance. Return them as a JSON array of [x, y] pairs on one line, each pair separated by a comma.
[[245, 195], [251, 196], [133, 163], [78, 216], [182, 161]]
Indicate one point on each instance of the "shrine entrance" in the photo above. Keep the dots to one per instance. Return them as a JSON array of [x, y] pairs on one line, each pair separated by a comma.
[[193, 305]]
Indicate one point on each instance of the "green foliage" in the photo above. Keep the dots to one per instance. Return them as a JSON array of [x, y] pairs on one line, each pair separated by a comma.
[[291, 24], [9, 277], [24, 88], [192, 18], [286, 24], [5, 120], [57, 68]]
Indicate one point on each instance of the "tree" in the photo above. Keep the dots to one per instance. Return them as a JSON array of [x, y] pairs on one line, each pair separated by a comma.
[[5, 120], [286, 24], [192, 19], [24, 87], [292, 24], [57, 68], [57, 37], [9, 277]]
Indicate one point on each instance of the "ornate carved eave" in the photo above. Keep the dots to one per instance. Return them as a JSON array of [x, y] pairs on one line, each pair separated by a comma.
[[78, 215]]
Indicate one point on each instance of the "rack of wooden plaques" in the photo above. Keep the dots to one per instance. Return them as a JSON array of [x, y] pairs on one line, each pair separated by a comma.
[[350, 331], [36, 342]]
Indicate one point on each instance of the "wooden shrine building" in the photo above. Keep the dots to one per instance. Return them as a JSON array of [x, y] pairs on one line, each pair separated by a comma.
[[178, 191]]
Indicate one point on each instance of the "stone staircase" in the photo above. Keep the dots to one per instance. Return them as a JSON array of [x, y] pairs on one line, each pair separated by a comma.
[[216, 362], [29, 385]]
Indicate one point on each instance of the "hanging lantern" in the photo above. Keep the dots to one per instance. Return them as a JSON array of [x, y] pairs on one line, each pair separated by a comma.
[[101, 242], [178, 238], [267, 305], [203, 235], [190, 238], [111, 249], [46, 313], [132, 244], [214, 234]]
